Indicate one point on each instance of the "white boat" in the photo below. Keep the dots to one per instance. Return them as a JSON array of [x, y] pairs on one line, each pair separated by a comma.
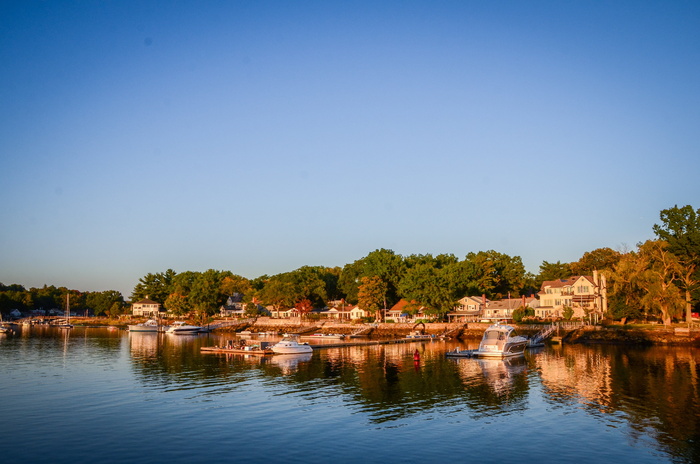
[[418, 335], [290, 345], [499, 341], [150, 325], [182, 328]]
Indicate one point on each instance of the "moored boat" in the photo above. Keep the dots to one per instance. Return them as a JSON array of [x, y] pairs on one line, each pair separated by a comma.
[[150, 325], [325, 336], [499, 341], [182, 328], [290, 345]]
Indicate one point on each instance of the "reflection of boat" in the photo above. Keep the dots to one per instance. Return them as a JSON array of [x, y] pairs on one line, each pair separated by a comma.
[[325, 336], [182, 328], [499, 341], [150, 325], [418, 335], [66, 324], [261, 348], [290, 345], [288, 363]]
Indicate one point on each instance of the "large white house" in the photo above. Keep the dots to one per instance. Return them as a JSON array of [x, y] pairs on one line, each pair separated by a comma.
[[145, 308], [586, 295]]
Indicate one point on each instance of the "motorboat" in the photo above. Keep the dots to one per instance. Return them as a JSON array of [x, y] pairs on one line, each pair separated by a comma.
[[150, 325], [418, 335], [499, 341], [183, 328], [290, 345]]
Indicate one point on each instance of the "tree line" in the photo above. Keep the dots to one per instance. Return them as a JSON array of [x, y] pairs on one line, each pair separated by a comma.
[[657, 280]]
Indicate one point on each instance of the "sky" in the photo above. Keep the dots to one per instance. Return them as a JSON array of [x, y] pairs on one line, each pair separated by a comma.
[[262, 136]]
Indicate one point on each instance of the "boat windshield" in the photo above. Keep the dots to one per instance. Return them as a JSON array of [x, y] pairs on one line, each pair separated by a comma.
[[493, 335]]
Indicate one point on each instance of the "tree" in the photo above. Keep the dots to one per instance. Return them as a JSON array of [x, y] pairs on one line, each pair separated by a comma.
[[681, 229], [599, 259], [660, 269], [494, 274], [156, 287], [427, 285], [382, 263], [372, 295], [626, 295]]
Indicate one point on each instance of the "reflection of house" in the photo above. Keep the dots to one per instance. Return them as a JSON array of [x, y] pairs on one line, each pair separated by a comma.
[[146, 308], [583, 294], [468, 309]]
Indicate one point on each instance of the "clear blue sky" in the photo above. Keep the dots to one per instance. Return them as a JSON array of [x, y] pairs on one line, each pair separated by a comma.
[[259, 137]]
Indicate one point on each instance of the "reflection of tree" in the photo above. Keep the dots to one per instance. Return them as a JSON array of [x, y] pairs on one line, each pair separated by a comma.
[[656, 389]]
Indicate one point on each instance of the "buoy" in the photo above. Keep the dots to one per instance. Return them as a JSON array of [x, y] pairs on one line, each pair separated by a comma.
[[416, 355]]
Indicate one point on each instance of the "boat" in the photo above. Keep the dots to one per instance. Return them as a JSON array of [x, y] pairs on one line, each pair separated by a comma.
[[66, 324], [290, 345], [418, 335], [499, 341], [258, 349], [150, 325], [183, 328]]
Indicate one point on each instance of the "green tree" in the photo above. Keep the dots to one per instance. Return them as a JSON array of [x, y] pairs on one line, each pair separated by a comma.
[[494, 274], [382, 263], [680, 227], [372, 295], [426, 284], [661, 269], [156, 287], [599, 259]]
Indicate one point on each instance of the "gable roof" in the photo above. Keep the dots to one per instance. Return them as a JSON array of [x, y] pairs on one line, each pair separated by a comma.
[[146, 301]]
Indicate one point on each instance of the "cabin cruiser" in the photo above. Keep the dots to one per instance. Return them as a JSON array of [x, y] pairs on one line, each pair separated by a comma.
[[499, 341], [182, 328], [150, 325], [290, 345]]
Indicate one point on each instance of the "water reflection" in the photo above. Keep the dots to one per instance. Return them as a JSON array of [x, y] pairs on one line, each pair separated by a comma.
[[651, 392]]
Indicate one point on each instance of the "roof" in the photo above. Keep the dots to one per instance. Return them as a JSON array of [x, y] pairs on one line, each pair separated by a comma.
[[146, 301], [559, 283]]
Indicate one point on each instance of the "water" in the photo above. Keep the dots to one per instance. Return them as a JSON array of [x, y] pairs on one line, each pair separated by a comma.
[[93, 395]]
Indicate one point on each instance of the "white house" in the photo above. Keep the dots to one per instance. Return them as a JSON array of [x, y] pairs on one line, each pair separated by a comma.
[[584, 294], [145, 308]]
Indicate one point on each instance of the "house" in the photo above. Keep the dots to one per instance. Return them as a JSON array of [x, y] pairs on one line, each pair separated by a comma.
[[357, 313], [468, 309], [584, 294], [146, 308], [400, 312], [234, 306], [503, 309]]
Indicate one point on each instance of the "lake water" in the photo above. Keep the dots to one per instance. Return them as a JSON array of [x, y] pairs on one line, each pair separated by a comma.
[[94, 395]]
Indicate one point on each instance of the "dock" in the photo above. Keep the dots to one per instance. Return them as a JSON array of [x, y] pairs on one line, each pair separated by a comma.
[[218, 349]]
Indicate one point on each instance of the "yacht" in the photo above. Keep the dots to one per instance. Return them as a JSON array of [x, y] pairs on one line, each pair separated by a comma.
[[182, 328], [150, 325], [499, 341], [290, 345]]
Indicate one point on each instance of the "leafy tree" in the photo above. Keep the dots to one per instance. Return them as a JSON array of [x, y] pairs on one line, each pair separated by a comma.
[[494, 274], [110, 301], [372, 295], [660, 269], [382, 263], [681, 229], [554, 271], [304, 307], [426, 284], [156, 287], [177, 304], [626, 295], [599, 259], [568, 312]]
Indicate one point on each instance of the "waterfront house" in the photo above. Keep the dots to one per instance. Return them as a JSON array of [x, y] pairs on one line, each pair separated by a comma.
[[503, 310], [146, 308], [468, 309], [586, 295], [234, 306], [357, 313]]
